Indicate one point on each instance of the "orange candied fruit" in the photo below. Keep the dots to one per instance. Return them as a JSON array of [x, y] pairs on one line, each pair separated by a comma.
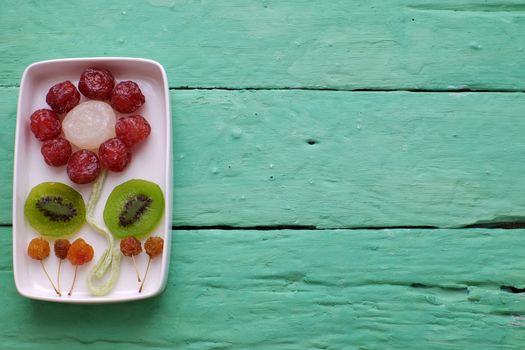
[[130, 246], [154, 246], [38, 249], [80, 252]]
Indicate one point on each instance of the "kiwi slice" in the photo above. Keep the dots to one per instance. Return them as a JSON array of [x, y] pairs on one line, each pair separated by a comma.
[[134, 208], [55, 209]]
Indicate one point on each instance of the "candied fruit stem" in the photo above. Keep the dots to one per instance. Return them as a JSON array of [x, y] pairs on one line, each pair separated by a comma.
[[74, 280], [92, 204], [136, 269], [145, 274], [111, 255], [58, 275], [49, 278]]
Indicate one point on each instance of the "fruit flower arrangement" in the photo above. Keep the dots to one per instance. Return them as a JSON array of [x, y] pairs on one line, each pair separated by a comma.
[[89, 140]]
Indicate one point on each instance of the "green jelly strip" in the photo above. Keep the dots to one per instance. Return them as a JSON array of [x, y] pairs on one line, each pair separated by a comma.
[[111, 256]]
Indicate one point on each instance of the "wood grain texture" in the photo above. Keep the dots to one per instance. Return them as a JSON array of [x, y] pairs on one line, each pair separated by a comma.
[[395, 289], [341, 44], [337, 159]]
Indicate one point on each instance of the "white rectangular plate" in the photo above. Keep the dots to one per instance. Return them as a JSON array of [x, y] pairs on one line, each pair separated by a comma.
[[150, 161]]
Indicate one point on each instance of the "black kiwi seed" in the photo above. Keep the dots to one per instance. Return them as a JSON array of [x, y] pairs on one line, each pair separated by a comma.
[[56, 209], [134, 208]]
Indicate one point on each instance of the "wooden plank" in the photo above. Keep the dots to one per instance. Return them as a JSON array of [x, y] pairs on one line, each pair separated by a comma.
[[347, 159], [8, 105], [406, 289], [6, 259], [244, 158], [339, 44]]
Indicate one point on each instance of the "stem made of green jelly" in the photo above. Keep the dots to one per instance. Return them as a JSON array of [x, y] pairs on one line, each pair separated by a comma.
[[111, 256]]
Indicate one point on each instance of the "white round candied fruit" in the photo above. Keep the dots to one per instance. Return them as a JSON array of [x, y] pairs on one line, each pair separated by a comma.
[[89, 124]]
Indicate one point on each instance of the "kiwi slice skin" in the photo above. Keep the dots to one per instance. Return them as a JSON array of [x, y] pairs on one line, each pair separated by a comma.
[[134, 208], [55, 209]]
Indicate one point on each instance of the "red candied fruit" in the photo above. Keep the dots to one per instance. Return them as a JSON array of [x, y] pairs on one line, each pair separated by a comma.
[[126, 97], [96, 83], [62, 97], [61, 248], [45, 124], [132, 130], [114, 155], [83, 167], [56, 152]]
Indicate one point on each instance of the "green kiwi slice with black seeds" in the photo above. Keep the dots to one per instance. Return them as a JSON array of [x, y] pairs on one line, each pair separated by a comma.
[[134, 208], [54, 209]]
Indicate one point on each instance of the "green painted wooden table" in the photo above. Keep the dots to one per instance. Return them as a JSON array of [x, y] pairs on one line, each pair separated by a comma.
[[347, 174]]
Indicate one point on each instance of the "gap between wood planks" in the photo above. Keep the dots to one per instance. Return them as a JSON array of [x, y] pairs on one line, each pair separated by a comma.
[[501, 225], [314, 88], [461, 88]]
